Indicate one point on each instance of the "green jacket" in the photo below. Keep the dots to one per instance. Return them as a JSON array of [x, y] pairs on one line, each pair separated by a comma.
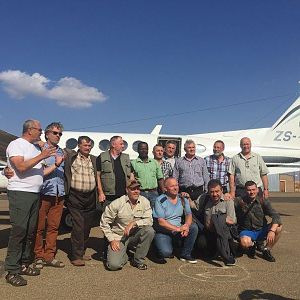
[[107, 175]]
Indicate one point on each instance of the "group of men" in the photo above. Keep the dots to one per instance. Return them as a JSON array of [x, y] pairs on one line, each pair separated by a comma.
[[179, 201]]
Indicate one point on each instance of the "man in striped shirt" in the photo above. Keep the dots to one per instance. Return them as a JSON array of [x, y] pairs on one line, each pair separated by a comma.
[[218, 164]]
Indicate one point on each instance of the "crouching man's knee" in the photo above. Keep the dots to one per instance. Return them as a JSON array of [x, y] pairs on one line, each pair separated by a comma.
[[114, 265], [148, 232]]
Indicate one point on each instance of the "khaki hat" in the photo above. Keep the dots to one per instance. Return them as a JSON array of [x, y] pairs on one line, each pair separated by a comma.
[[133, 183]]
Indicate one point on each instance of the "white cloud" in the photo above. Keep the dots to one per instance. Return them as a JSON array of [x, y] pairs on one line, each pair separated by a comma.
[[68, 91]]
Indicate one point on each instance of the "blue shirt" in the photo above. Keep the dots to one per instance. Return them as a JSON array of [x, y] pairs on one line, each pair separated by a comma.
[[54, 182], [170, 212]]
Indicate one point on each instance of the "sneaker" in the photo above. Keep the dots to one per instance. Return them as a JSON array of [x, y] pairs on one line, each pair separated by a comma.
[[140, 266], [268, 256], [251, 251], [260, 246], [160, 260], [188, 259], [231, 262]]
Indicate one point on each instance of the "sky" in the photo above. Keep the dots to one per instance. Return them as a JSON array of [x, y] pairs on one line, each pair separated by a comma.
[[124, 66]]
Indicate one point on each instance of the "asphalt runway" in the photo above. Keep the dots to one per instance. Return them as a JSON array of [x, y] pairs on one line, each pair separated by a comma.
[[249, 279]]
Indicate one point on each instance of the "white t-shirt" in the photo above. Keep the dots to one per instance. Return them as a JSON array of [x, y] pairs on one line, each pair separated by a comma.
[[31, 180]]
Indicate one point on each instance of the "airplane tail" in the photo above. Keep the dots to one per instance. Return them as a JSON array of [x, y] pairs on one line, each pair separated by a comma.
[[286, 130]]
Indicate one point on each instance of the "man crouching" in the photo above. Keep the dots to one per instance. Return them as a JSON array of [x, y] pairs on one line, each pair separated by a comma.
[[251, 215], [127, 222]]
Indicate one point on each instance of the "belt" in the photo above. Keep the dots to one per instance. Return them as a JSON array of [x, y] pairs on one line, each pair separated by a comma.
[[149, 190]]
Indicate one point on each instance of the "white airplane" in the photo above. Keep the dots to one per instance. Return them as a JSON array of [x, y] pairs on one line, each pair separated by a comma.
[[279, 145]]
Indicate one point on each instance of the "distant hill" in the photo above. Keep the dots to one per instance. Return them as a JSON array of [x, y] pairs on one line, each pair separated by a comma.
[[5, 139]]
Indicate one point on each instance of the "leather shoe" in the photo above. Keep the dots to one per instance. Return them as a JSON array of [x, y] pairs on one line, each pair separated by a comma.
[[78, 263]]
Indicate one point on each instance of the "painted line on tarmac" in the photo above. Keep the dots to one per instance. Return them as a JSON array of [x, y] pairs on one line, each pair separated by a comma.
[[206, 273]]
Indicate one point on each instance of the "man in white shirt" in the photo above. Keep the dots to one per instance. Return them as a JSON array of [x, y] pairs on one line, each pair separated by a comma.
[[23, 190]]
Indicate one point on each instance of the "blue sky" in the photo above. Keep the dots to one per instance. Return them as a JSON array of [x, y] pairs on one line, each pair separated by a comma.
[[102, 64]]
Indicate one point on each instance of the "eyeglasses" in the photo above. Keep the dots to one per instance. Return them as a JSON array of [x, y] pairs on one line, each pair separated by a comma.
[[56, 133], [247, 164], [39, 129]]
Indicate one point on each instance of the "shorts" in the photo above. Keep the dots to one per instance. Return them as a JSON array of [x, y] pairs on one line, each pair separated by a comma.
[[256, 235]]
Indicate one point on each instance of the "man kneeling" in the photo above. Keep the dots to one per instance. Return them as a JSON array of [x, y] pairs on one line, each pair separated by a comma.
[[127, 222], [168, 212], [251, 215]]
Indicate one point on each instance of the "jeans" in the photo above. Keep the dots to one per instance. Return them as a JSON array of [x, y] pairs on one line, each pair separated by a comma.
[[164, 242], [151, 196]]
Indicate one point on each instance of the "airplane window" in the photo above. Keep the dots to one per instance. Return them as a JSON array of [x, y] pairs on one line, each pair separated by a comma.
[[104, 145], [200, 148], [125, 145], [71, 143], [135, 146]]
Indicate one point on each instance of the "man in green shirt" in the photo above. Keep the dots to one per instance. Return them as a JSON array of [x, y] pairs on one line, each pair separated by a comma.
[[148, 172]]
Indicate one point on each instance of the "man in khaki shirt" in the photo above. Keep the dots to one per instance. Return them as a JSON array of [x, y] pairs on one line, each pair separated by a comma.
[[127, 221]]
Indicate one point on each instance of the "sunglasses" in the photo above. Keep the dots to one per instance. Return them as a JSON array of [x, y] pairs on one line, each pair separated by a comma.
[[56, 133], [247, 164]]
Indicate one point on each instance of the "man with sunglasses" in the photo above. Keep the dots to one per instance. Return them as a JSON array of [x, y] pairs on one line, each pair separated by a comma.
[[25, 161], [246, 166], [127, 222], [52, 200]]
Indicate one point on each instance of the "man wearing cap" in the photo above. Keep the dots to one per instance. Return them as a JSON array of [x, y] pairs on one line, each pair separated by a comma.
[[127, 222]]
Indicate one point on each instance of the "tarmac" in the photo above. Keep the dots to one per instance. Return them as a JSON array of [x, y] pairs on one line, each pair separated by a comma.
[[249, 279]]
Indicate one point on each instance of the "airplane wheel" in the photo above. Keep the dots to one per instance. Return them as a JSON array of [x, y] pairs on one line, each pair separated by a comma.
[[66, 219]]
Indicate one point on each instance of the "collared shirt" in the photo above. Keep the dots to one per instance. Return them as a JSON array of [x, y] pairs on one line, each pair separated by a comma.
[[205, 208], [120, 213], [83, 174], [172, 213], [54, 182], [167, 169], [218, 169], [171, 160], [221, 207], [248, 169], [255, 219], [191, 172], [147, 173]]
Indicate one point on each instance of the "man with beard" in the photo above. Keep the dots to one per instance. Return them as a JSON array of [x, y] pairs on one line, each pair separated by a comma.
[[218, 164]]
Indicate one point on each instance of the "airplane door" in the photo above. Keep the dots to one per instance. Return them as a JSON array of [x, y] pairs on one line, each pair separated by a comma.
[[163, 140]]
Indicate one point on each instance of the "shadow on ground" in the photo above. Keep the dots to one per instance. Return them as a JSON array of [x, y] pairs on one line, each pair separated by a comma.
[[259, 294]]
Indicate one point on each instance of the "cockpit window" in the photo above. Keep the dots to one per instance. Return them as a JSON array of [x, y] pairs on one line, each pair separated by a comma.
[[135, 146], [71, 143], [125, 145], [104, 145], [200, 148]]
